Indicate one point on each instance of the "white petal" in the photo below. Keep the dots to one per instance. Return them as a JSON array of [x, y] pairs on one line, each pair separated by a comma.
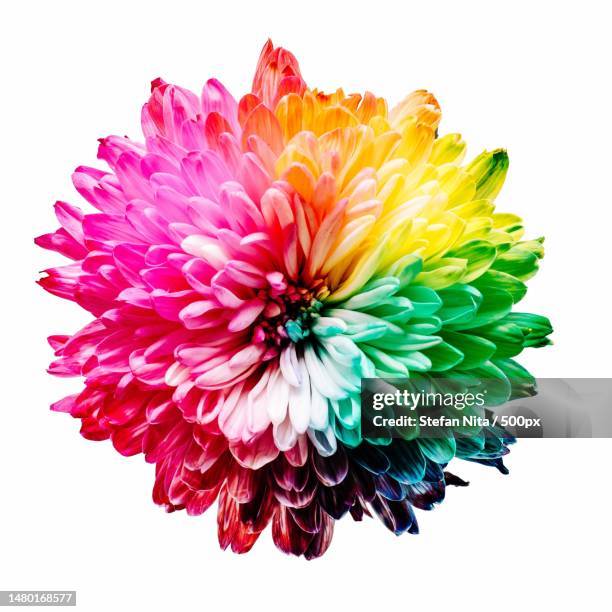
[[299, 402], [278, 397], [176, 374], [209, 249], [321, 379], [319, 413], [285, 435], [324, 441], [289, 366]]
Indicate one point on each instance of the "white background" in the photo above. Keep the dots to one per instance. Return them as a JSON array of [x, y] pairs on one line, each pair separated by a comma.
[[535, 79]]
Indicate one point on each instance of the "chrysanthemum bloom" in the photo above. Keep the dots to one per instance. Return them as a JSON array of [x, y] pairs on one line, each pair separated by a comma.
[[250, 262]]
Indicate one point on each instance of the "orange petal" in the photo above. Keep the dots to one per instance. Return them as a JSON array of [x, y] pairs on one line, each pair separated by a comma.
[[325, 193], [334, 117], [302, 180], [289, 115], [264, 124], [246, 106], [214, 126]]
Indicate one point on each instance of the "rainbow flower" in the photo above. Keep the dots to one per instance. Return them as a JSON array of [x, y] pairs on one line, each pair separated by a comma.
[[250, 262]]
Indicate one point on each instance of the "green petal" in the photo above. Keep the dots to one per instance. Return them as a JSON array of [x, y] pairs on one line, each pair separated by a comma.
[[496, 304], [479, 255], [384, 362], [522, 260], [506, 336], [347, 411], [523, 383], [535, 328], [406, 269], [407, 342], [443, 273], [509, 224], [460, 304], [415, 361], [493, 379], [426, 326], [397, 309], [328, 326], [470, 446], [444, 357], [348, 437], [372, 294], [476, 350], [502, 280], [407, 461], [489, 170], [439, 450], [425, 301], [365, 333]]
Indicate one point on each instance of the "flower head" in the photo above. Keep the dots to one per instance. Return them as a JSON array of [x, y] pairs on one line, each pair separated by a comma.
[[250, 262]]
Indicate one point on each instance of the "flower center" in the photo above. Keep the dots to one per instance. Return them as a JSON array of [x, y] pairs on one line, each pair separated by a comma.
[[288, 314]]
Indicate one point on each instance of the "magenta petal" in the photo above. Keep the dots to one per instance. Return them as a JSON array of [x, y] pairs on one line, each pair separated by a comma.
[[246, 315]]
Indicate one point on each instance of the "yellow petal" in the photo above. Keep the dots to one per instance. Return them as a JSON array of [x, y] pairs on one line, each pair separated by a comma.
[[289, 115], [449, 148], [361, 273]]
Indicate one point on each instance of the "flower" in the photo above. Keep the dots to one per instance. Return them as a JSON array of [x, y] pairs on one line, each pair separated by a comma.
[[250, 262]]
